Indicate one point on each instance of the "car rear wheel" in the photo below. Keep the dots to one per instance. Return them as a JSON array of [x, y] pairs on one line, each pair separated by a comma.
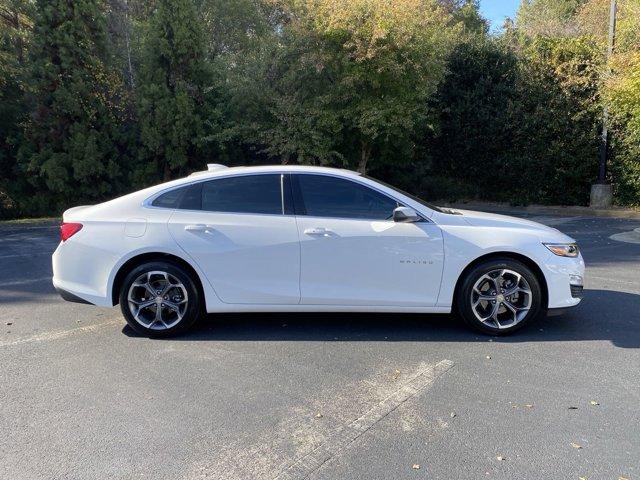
[[499, 296], [159, 299]]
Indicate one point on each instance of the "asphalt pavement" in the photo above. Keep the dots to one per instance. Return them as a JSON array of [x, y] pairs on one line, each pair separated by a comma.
[[320, 396]]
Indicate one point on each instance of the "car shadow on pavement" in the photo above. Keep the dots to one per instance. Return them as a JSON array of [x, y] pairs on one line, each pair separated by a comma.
[[602, 315]]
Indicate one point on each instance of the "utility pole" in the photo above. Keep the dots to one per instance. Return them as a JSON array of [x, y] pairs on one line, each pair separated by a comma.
[[601, 192]]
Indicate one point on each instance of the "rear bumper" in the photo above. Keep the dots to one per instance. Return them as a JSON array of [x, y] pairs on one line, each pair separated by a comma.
[[79, 273], [70, 297]]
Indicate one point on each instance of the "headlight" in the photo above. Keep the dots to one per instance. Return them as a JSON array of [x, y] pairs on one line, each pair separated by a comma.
[[563, 249]]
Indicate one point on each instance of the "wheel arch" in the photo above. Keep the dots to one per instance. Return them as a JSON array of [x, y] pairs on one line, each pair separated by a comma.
[[147, 257], [537, 271]]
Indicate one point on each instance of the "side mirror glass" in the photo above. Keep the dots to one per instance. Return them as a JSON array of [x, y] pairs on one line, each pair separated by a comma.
[[405, 215]]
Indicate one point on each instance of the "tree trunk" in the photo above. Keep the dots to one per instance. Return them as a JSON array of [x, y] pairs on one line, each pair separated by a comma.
[[365, 153], [127, 32], [167, 172]]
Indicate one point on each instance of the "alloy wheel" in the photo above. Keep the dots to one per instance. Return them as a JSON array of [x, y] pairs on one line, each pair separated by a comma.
[[501, 298], [157, 300]]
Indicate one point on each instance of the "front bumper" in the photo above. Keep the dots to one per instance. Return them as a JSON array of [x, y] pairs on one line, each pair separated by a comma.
[[565, 280], [577, 291]]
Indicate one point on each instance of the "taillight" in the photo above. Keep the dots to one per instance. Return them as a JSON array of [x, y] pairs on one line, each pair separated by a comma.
[[68, 230]]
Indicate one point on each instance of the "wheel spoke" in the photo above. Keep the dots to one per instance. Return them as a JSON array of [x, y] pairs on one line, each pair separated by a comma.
[[493, 314], [142, 304], [514, 310], [483, 298], [172, 306]]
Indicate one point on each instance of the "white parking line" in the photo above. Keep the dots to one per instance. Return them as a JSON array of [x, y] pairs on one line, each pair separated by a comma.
[[16, 255], [612, 280], [304, 466], [55, 335], [25, 282], [308, 434]]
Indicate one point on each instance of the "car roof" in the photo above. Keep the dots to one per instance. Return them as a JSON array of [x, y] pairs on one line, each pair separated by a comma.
[[221, 170]]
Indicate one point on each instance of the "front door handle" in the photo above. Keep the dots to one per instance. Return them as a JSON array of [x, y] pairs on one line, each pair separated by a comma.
[[198, 227], [318, 231]]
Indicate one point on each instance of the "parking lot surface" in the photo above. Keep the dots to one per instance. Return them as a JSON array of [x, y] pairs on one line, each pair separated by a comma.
[[321, 396]]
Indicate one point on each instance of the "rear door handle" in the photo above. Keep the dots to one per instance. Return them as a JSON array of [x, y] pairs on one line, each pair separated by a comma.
[[198, 227], [318, 231]]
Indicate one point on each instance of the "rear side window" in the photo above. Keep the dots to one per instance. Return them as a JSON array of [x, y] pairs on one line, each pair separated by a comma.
[[169, 199], [260, 194], [326, 196]]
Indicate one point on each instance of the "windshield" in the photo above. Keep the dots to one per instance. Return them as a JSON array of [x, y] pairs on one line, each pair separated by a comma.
[[412, 197]]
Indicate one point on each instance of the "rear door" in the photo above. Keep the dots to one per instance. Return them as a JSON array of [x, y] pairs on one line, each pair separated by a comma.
[[237, 229], [353, 253]]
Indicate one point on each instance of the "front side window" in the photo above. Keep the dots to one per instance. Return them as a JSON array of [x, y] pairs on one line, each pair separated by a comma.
[[260, 194], [326, 196]]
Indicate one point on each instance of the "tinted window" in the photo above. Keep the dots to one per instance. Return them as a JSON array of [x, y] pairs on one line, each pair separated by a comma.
[[243, 194], [325, 196], [168, 199], [192, 198]]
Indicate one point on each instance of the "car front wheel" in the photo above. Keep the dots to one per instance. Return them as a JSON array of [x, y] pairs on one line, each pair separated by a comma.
[[159, 299], [499, 296]]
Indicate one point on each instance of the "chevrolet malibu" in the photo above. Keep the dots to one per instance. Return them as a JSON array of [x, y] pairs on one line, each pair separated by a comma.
[[307, 239]]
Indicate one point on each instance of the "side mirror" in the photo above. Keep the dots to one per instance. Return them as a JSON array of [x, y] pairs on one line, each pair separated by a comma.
[[405, 215]]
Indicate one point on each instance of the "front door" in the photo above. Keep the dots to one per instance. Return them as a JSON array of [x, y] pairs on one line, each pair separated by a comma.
[[236, 230], [353, 253]]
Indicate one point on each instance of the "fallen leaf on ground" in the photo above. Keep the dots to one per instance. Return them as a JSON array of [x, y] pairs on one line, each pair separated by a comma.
[[575, 445], [396, 374], [528, 405]]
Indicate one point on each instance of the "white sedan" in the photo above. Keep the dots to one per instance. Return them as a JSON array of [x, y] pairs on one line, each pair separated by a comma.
[[307, 239]]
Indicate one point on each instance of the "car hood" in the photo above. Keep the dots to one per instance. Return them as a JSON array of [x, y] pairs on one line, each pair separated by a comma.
[[483, 219]]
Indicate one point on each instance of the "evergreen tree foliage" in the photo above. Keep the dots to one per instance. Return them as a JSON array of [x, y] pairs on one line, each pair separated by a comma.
[[174, 106], [71, 134]]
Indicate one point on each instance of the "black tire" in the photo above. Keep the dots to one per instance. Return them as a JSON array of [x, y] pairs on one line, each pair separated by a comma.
[[175, 296], [509, 320]]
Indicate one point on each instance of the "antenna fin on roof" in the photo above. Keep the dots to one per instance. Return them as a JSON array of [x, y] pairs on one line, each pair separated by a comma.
[[212, 167]]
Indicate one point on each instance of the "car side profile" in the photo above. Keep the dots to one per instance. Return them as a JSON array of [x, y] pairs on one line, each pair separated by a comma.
[[307, 239]]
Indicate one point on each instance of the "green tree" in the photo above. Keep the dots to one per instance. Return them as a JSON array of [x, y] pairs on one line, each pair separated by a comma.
[[520, 125], [549, 17], [348, 81], [175, 103], [15, 30], [70, 138]]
